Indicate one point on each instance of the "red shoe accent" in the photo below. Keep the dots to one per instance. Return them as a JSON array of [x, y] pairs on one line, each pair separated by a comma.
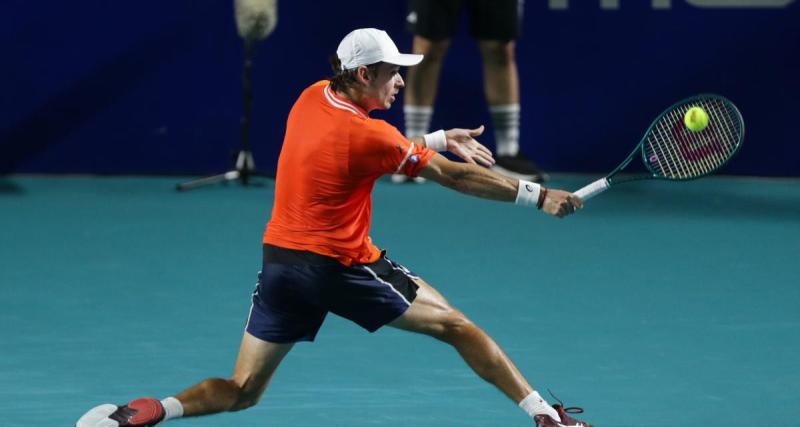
[[148, 412], [563, 413], [566, 419]]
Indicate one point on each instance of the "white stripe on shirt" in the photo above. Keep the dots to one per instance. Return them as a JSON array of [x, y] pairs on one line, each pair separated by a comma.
[[408, 154], [342, 105]]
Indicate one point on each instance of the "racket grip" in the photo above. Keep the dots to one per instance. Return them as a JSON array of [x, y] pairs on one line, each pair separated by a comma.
[[593, 189]]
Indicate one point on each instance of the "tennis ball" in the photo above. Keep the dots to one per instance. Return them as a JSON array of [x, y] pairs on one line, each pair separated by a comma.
[[696, 119]]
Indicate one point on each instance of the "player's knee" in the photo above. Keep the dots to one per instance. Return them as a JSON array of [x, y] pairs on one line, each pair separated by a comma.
[[454, 325], [246, 399], [248, 394]]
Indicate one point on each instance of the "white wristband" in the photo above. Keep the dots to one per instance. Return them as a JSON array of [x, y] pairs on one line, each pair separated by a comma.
[[436, 141], [528, 193]]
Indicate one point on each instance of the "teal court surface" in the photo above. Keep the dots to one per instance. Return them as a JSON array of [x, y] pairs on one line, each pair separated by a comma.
[[658, 304]]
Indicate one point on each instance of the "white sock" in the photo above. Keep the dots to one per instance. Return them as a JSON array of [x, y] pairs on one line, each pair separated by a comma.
[[418, 119], [172, 408], [505, 119], [534, 405]]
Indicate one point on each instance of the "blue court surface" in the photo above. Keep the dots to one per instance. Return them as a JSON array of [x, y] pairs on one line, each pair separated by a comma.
[[659, 304]]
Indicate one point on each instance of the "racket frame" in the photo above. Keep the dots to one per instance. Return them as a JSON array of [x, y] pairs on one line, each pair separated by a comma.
[[604, 183]]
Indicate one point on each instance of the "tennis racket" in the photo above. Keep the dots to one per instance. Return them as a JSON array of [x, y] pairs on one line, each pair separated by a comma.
[[673, 152]]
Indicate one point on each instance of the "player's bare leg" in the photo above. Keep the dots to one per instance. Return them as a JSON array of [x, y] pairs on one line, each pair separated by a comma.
[[255, 366], [431, 314]]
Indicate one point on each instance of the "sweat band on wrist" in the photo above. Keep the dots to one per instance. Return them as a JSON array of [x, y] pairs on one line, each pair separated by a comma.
[[436, 141], [542, 196], [528, 193]]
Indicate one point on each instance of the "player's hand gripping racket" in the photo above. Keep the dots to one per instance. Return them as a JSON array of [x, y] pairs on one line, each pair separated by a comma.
[[670, 150]]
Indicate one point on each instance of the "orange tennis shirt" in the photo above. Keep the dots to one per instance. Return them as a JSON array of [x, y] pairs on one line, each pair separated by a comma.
[[332, 154]]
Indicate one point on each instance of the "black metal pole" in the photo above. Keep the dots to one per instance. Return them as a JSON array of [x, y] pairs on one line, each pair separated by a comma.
[[247, 107], [245, 166]]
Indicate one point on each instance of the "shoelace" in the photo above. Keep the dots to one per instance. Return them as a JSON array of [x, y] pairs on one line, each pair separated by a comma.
[[569, 410]]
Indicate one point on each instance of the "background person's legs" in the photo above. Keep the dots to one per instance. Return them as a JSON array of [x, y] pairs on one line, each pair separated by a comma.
[[422, 81], [500, 81], [432, 315], [501, 86], [433, 23]]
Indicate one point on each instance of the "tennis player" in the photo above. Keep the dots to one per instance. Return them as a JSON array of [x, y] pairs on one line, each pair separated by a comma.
[[318, 256]]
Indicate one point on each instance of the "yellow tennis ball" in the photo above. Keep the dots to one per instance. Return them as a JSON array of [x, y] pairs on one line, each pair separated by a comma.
[[696, 119]]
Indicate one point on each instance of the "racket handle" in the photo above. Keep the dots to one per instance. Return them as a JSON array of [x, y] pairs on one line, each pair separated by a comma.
[[592, 189]]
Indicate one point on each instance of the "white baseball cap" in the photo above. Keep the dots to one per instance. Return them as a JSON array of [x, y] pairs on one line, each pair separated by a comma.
[[366, 46]]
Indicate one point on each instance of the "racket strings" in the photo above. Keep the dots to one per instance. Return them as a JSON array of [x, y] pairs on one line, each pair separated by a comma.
[[673, 151]]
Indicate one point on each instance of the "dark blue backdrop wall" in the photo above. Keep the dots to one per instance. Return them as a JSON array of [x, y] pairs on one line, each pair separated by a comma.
[[153, 86]]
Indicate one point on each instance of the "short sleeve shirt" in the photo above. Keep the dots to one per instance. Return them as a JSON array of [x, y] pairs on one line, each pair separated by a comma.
[[332, 154]]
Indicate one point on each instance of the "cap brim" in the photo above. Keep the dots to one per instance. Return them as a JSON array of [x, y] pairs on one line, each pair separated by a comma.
[[404, 59]]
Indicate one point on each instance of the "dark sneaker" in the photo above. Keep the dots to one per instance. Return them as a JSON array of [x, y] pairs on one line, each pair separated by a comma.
[[399, 178], [519, 167], [144, 412]]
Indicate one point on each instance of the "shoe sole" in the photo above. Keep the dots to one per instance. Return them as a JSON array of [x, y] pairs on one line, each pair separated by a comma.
[[98, 417]]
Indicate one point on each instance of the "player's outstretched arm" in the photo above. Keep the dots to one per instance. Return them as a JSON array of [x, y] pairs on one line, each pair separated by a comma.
[[477, 181]]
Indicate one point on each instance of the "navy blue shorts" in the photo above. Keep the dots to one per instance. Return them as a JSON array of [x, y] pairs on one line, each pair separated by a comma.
[[297, 289]]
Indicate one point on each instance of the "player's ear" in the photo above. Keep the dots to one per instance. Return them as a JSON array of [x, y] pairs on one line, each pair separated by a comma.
[[363, 74]]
